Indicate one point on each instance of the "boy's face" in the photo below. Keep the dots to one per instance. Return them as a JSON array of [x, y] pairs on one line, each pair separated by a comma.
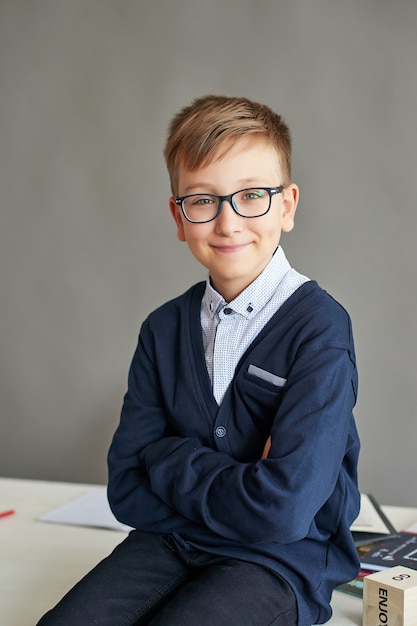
[[236, 249]]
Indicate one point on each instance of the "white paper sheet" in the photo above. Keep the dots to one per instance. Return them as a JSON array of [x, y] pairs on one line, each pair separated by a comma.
[[368, 519], [90, 509]]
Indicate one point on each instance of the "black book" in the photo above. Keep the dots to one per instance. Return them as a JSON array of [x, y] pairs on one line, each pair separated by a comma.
[[386, 553]]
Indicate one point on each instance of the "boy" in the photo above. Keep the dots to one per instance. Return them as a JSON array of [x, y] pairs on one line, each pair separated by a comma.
[[236, 454]]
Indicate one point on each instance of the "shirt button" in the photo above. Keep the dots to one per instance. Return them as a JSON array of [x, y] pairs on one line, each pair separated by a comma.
[[227, 311], [220, 431]]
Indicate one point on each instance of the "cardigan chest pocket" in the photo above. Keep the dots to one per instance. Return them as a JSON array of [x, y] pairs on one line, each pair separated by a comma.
[[261, 393], [268, 377], [256, 398]]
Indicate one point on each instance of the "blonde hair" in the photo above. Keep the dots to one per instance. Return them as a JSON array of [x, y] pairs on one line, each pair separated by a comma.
[[205, 130]]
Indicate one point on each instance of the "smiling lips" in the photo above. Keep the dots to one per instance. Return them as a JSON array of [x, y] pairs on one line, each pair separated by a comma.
[[230, 249]]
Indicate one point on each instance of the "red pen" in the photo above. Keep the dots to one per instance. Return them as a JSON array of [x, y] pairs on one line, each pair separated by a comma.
[[7, 513]]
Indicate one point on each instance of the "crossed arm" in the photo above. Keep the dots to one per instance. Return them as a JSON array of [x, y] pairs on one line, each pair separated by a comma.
[[160, 482]]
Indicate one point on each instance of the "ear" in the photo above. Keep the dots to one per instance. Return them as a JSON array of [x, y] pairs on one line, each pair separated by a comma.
[[290, 197], [177, 215]]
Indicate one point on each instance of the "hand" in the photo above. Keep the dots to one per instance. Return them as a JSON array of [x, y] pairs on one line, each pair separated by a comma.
[[266, 448]]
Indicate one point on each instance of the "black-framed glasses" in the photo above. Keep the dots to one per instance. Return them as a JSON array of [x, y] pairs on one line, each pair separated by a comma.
[[199, 208]]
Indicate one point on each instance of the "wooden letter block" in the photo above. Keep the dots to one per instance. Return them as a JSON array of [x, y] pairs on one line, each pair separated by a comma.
[[390, 598]]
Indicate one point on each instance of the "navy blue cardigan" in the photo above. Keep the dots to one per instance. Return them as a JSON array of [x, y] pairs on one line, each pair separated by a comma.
[[181, 464]]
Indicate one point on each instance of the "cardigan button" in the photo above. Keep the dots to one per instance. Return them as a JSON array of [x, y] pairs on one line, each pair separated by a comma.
[[220, 431]]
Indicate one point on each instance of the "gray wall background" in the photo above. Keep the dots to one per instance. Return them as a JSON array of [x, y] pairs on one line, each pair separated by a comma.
[[87, 246]]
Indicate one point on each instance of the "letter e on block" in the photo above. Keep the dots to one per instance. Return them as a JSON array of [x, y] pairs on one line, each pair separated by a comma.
[[390, 598]]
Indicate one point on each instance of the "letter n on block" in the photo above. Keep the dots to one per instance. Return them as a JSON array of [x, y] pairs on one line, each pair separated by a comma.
[[390, 598]]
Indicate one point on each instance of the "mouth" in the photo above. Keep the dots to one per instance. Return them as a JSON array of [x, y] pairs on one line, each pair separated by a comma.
[[224, 249]]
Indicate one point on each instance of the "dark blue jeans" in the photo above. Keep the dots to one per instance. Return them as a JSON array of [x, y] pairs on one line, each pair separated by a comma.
[[146, 580]]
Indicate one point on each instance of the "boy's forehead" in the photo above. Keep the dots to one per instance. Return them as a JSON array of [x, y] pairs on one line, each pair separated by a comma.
[[254, 153]]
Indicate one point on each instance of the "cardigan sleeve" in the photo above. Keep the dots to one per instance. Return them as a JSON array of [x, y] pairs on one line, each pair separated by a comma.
[[142, 421], [275, 499]]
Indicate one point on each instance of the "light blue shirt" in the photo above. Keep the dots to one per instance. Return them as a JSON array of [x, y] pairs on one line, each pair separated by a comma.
[[229, 328]]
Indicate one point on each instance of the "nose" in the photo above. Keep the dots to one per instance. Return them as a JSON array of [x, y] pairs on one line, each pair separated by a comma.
[[228, 221]]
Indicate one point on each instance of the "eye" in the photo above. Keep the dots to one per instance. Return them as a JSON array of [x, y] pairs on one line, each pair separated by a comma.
[[201, 200], [253, 194]]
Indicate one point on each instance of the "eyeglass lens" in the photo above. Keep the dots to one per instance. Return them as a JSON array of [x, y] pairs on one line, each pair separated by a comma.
[[248, 203]]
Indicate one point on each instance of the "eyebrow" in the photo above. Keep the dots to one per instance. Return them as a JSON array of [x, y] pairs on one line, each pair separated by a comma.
[[244, 183]]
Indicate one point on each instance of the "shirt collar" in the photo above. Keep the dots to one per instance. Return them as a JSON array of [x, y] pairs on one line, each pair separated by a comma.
[[256, 295]]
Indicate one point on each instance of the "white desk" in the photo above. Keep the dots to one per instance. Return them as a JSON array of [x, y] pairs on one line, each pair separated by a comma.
[[39, 562]]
